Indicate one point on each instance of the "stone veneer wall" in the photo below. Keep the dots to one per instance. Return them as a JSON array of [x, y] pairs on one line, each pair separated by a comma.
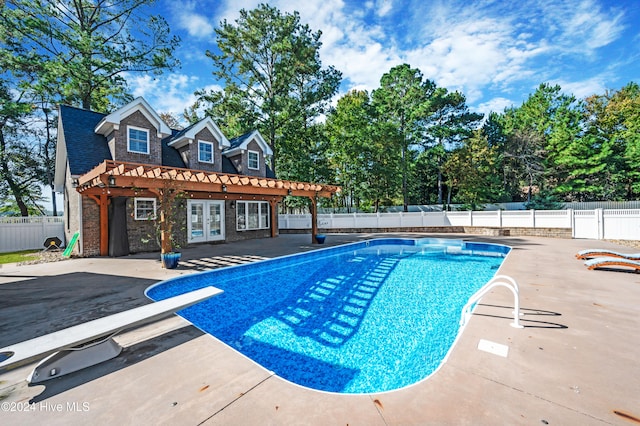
[[142, 233], [191, 152], [90, 233], [119, 143], [261, 172], [529, 232], [231, 234]]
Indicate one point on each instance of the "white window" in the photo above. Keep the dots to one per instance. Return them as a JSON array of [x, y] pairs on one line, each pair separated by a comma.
[[205, 152], [252, 215], [145, 208], [254, 156], [137, 140]]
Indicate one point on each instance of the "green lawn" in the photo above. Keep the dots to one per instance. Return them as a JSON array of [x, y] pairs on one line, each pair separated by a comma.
[[18, 256]]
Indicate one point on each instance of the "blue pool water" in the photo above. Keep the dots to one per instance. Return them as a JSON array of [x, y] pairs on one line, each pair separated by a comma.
[[361, 318]]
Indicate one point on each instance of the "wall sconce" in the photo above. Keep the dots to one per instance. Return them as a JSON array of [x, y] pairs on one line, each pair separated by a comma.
[[289, 192], [74, 183], [112, 180], [224, 188], [233, 204]]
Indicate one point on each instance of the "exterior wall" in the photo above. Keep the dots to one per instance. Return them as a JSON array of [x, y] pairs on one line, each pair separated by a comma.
[[90, 233], [143, 235], [205, 135], [261, 172], [71, 217], [111, 142], [120, 152], [231, 234], [241, 161], [189, 153], [237, 163]]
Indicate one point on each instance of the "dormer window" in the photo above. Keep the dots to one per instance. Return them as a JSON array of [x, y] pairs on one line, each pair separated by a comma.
[[138, 140], [205, 152], [253, 157]]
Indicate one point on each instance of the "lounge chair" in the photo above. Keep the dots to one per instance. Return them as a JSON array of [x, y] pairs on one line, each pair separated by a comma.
[[593, 253], [601, 262]]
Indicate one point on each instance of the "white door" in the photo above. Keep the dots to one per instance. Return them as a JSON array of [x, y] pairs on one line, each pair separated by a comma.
[[205, 220]]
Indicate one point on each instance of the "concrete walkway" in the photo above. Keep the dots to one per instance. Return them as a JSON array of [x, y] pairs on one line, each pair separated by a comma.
[[574, 363]]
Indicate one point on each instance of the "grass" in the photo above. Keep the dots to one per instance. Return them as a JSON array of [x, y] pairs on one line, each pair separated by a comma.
[[18, 256]]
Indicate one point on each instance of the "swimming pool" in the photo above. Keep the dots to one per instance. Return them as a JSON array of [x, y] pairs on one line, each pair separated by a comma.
[[365, 317]]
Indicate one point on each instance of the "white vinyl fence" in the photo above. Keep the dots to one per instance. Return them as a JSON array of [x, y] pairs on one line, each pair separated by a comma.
[[26, 233], [594, 224]]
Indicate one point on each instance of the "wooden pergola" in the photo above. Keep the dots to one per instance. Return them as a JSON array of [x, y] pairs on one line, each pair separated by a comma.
[[122, 179]]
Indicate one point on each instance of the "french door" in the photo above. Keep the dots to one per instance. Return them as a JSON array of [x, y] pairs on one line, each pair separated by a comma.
[[205, 220]]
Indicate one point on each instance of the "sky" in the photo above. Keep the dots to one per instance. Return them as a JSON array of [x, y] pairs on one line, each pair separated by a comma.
[[495, 52]]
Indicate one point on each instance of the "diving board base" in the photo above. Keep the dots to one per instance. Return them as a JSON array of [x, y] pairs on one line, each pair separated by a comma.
[[71, 360]]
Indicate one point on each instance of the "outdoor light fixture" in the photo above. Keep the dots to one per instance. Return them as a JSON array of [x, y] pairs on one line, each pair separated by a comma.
[[224, 188], [290, 192], [74, 183], [112, 180]]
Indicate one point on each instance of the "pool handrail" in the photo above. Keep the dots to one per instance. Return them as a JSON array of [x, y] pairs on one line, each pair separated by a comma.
[[507, 282]]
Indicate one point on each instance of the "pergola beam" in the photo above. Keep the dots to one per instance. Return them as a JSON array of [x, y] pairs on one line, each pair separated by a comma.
[[130, 175]]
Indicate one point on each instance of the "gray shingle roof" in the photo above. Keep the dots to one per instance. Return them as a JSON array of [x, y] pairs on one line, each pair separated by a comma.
[[170, 156], [237, 141], [85, 148]]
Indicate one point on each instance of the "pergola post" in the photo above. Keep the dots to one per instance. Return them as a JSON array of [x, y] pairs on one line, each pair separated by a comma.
[[104, 224], [314, 220], [274, 218]]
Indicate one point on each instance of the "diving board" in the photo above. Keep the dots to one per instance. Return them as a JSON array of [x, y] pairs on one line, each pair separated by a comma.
[[64, 351]]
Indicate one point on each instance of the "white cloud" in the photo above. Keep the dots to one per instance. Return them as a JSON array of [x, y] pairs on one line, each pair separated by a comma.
[[584, 88], [172, 93], [197, 25], [496, 105], [384, 7], [581, 28], [473, 54], [487, 50]]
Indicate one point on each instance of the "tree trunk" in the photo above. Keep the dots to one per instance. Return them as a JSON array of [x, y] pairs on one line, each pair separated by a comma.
[[405, 196], [6, 175], [440, 191]]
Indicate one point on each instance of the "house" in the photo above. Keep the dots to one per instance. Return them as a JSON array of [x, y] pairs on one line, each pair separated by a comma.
[[113, 169]]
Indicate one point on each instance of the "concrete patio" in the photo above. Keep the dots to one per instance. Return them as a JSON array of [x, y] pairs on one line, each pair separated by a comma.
[[574, 363]]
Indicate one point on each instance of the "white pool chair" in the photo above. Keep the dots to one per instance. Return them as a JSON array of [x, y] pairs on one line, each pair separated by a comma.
[[593, 253], [603, 262]]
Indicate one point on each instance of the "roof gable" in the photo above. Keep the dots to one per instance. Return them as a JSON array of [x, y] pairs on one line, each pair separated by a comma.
[[112, 121], [240, 144], [189, 134]]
